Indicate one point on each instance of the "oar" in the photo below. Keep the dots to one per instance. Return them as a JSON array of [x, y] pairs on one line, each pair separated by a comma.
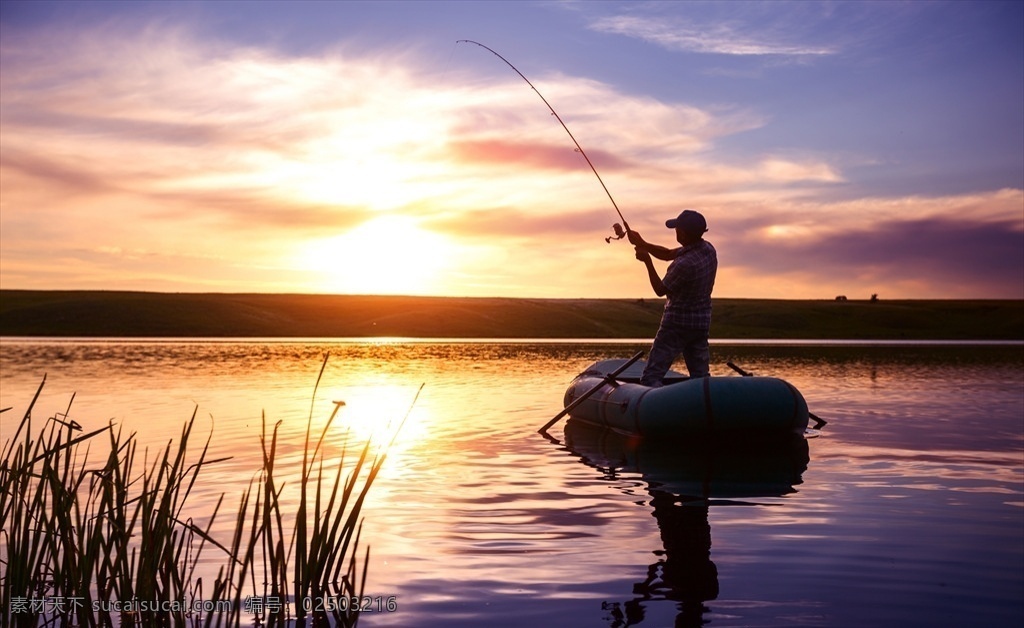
[[818, 421], [738, 369], [608, 379]]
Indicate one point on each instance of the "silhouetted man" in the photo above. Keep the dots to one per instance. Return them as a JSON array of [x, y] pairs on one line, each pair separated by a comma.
[[687, 284]]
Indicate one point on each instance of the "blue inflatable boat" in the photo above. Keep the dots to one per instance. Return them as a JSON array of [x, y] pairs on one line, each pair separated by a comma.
[[710, 405]]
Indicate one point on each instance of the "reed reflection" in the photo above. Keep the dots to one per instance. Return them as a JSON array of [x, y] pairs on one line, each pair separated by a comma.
[[684, 481]]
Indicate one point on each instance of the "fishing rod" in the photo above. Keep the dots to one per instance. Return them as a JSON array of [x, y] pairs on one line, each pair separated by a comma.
[[619, 233]]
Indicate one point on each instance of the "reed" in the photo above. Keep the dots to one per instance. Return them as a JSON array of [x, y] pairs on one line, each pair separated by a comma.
[[115, 544]]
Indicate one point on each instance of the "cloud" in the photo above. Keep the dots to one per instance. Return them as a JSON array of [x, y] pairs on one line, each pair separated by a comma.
[[168, 122], [722, 39], [72, 177], [241, 212], [513, 223], [778, 169], [173, 119], [956, 247], [539, 156]]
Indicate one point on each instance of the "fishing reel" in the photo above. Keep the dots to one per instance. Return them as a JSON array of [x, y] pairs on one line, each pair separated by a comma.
[[619, 234]]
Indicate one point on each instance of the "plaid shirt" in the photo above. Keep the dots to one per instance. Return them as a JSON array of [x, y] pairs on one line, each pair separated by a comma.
[[688, 283]]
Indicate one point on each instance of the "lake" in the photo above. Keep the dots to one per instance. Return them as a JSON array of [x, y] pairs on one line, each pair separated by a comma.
[[906, 509]]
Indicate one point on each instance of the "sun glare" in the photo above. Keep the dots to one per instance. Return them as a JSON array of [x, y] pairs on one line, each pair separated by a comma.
[[375, 412], [386, 255], [374, 182]]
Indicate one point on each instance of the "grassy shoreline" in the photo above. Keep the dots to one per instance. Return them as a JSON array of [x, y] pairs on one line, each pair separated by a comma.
[[46, 313]]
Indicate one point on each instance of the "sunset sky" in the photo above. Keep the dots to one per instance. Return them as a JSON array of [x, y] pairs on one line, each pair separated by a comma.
[[348, 147]]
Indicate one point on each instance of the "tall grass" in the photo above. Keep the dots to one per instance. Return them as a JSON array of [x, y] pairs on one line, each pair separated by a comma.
[[114, 543]]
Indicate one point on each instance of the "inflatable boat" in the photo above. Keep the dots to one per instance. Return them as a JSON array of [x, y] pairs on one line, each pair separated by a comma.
[[609, 394]]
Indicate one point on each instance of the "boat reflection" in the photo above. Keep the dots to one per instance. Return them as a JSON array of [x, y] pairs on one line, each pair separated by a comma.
[[684, 481]]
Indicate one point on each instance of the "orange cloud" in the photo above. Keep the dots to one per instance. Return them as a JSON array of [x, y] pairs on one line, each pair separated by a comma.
[[532, 155]]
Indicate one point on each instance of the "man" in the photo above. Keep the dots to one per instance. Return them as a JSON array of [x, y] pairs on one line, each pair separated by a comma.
[[687, 284]]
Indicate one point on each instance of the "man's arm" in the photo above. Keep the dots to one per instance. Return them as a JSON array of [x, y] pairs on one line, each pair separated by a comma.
[[652, 274], [660, 252]]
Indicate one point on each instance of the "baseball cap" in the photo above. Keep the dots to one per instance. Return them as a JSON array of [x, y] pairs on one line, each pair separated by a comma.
[[689, 221]]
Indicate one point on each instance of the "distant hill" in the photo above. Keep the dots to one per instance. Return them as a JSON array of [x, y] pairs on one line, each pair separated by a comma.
[[152, 314]]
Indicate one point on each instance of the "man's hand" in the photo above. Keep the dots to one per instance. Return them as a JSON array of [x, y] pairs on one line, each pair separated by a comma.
[[642, 254], [635, 239]]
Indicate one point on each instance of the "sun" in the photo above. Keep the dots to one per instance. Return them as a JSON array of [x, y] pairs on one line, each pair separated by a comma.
[[385, 255]]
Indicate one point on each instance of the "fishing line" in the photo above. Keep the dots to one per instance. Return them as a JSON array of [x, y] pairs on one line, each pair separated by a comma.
[[448, 65], [579, 149]]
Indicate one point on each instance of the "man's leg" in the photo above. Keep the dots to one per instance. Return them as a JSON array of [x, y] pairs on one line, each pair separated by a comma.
[[667, 346], [697, 353]]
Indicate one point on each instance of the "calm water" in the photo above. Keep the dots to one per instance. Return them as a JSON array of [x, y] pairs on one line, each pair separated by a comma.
[[908, 509]]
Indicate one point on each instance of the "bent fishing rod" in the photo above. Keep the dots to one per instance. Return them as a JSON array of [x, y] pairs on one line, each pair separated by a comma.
[[619, 233]]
